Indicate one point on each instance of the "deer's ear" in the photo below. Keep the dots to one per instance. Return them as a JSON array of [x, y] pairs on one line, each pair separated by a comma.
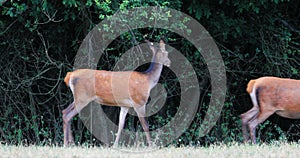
[[150, 44], [162, 45]]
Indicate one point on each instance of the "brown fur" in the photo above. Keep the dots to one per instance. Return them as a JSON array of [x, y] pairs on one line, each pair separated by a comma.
[[276, 95], [67, 78], [110, 86], [250, 86], [125, 89]]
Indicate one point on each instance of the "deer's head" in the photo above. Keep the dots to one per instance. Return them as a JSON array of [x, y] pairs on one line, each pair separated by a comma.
[[160, 54]]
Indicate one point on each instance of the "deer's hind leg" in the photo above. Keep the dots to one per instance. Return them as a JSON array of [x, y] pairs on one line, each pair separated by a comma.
[[246, 117]]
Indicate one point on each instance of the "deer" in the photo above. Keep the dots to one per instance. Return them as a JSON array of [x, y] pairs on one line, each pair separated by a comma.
[[270, 95], [124, 89]]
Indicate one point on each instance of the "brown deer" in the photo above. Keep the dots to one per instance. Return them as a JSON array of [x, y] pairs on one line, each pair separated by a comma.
[[270, 95], [125, 89]]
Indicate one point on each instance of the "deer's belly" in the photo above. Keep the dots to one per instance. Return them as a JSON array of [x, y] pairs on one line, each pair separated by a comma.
[[114, 102], [289, 114]]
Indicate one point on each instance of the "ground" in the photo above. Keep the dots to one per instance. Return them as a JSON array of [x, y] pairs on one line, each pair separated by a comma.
[[233, 150]]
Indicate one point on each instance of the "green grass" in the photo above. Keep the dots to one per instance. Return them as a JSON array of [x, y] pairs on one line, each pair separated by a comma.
[[234, 150]]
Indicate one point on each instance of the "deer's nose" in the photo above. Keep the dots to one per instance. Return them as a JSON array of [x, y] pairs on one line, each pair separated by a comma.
[[167, 63]]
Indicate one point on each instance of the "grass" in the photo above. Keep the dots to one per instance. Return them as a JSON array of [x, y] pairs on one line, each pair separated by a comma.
[[234, 150]]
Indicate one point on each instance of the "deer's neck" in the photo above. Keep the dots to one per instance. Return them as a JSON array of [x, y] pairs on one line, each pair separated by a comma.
[[154, 71]]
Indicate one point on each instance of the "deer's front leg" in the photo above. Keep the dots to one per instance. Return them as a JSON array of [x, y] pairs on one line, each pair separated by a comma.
[[122, 117], [141, 111]]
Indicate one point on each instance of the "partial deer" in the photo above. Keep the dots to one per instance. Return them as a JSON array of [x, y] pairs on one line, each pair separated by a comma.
[[125, 89], [270, 95]]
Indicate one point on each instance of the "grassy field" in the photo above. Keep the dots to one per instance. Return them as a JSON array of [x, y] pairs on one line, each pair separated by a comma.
[[235, 150]]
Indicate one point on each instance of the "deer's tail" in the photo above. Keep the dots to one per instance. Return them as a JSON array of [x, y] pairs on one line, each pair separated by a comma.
[[67, 78], [250, 86]]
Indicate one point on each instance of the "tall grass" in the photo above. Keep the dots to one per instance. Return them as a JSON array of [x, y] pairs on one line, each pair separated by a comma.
[[233, 150]]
